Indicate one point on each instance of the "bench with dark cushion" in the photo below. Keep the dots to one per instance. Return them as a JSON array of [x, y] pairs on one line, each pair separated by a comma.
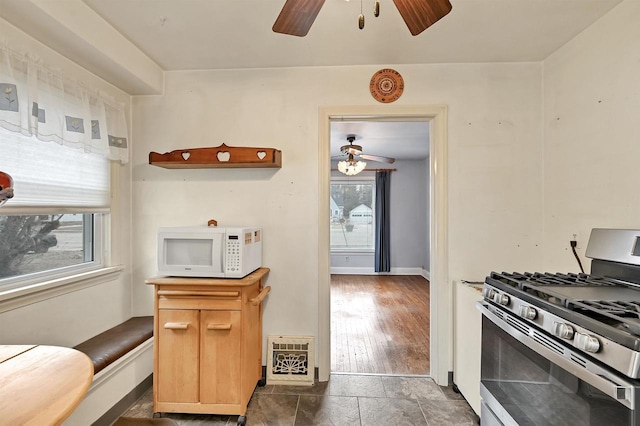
[[109, 346]]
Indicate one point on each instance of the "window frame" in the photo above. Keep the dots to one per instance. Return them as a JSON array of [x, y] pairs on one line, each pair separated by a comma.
[[34, 280], [360, 179]]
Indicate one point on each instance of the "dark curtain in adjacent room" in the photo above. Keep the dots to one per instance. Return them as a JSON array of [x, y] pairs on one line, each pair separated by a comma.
[[383, 227]]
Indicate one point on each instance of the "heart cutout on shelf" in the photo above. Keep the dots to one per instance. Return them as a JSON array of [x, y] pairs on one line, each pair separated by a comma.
[[186, 155], [261, 155], [223, 156]]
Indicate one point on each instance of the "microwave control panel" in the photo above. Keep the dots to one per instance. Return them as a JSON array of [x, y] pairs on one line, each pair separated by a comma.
[[232, 263]]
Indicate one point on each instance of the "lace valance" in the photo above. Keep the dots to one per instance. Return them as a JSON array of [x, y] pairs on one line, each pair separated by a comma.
[[38, 101]]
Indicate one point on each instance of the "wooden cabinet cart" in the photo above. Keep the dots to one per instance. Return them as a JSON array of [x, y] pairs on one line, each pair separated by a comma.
[[208, 343]]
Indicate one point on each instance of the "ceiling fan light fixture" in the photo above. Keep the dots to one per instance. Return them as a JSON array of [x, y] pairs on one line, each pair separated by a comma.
[[351, 167]]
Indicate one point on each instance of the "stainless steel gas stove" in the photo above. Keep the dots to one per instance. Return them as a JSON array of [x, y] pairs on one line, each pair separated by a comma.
[[564, 349]]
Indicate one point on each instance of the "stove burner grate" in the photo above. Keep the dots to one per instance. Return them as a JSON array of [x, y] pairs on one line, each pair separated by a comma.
[[520, 280], [626, 309], [621, 314], [624, 315], [538, 284]]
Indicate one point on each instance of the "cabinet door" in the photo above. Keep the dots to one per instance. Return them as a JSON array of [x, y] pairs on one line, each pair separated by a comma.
[[178, 355], [221, 342]]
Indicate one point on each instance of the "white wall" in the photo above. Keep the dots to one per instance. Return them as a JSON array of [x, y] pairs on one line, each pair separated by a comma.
[[592, 135], [495, 193], [494, 147], [409, 214]]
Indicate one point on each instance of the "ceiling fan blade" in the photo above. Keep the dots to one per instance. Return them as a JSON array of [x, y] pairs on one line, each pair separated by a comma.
[[351, 149], [421, 14], [377, 158], [297, 16]]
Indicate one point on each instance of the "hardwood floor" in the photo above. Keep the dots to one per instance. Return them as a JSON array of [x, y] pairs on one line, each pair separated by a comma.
[[379, 324]]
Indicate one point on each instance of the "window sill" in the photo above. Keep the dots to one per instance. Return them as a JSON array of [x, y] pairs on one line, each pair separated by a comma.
[[353, 252], [17, 297]]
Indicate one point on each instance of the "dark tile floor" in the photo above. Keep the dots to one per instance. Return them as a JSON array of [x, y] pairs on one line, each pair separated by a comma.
[[345, 399]]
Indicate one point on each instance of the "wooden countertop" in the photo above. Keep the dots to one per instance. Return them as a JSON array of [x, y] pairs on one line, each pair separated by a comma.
[[229, 282], [41, 385]]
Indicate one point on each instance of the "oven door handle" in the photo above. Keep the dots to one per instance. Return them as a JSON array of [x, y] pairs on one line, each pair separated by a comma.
[[605, 381]]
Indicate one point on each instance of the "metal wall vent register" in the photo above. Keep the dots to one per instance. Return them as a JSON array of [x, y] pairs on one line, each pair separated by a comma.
[[290, 360]]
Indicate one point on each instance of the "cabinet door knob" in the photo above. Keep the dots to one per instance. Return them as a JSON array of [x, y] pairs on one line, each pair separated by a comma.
[[176, 325], [218, 326]]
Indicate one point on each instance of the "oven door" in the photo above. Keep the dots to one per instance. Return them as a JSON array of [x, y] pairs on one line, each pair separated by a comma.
[[529, 378]]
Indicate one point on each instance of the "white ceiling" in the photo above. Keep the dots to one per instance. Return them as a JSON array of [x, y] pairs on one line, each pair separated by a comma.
[[216, 34], [402, 140]]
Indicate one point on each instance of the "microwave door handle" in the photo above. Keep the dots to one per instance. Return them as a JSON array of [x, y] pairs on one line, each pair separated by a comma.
[[612, 385], [222, 257]]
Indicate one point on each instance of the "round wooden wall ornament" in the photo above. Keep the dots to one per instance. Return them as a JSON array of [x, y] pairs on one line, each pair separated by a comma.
[[386, 85]]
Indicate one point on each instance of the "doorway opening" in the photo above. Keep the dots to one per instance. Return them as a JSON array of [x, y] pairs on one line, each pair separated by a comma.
[[440, 326], [379, 294]]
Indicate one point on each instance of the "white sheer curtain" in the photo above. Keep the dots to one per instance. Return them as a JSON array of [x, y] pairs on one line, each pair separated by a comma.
[[39, 101]]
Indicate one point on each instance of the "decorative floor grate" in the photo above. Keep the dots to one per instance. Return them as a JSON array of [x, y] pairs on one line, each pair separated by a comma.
[[290, 360]]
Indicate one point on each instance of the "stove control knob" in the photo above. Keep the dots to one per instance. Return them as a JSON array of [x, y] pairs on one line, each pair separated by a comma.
[[501, 299], [587, 343], [488, 293], [528, 312], [562, 330]]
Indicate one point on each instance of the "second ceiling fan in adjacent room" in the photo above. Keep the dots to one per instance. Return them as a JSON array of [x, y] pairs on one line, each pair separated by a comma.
[[352, 165]]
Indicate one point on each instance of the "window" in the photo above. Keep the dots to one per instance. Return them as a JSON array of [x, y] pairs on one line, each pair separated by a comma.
[[54, 224], [58, 137], [352, 215], [36, 244]]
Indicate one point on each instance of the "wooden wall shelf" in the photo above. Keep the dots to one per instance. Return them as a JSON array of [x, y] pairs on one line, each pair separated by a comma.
[[218, 157]]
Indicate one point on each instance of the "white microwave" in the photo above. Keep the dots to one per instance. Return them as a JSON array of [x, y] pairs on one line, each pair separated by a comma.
[[203, 251]]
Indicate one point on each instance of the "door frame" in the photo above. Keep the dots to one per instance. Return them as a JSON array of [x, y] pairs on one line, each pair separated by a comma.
[[441, 297]]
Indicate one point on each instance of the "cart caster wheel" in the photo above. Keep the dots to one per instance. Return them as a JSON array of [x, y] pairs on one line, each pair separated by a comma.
[[242, 420], [455, 388], [262, 382], [157, 415]]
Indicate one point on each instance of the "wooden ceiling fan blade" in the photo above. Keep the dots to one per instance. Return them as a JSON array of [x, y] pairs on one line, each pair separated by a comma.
[[377, 158], [421, 14], [297, 16], [351, 149]]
